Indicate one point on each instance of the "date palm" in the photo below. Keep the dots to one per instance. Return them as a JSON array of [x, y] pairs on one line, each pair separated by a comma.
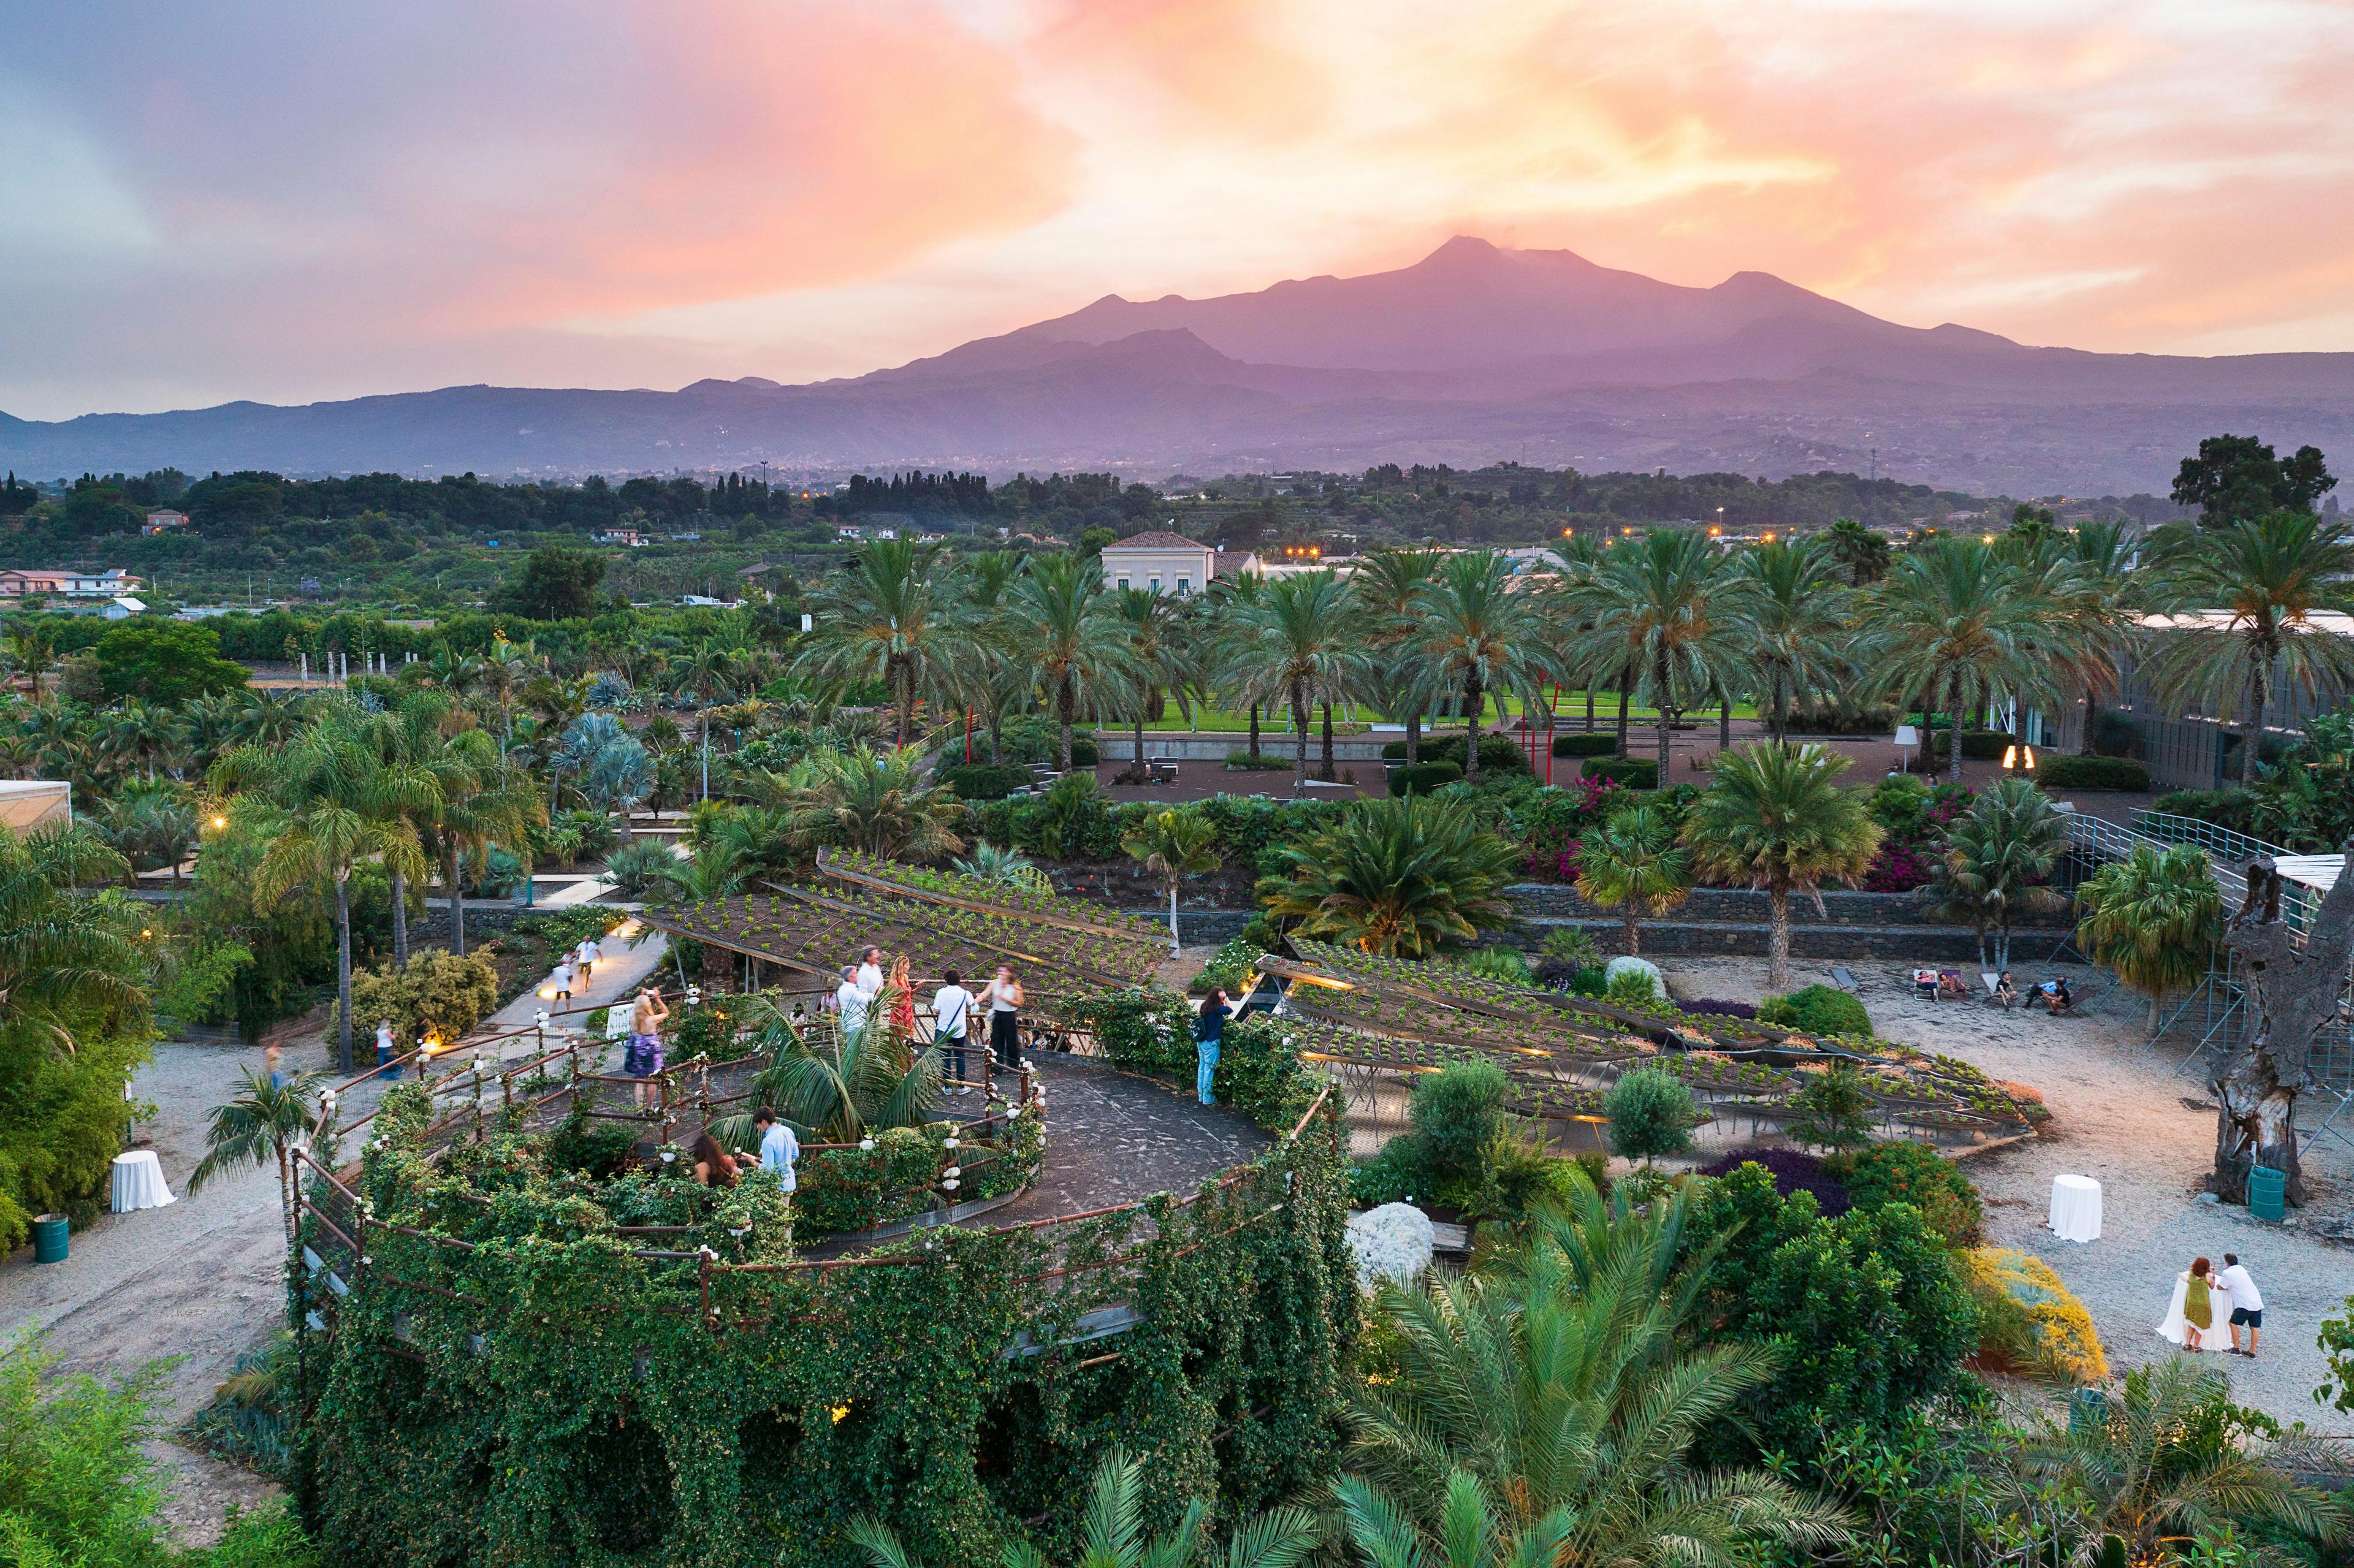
[[1681, 614], [1479, 635], [1860, 554], [1067, 628], [2153, 918], [1391, 585], [1960, 620], [883, 621], [263, 1120], [1298, 646], [1798, 624], [1397, 878], [1995, 864], [480, 800], [1546, 1414], [1632, 863], [2243, 599], [1158, 633], [1774, 816], [63, 955], [1234, 602], [158, 824], [1173, 845]]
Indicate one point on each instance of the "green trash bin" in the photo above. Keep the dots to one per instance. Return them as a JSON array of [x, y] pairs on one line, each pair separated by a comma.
[[49, 1239], [2267, 1192]]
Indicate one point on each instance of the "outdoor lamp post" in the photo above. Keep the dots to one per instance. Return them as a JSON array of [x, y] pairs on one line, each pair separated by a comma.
[[2020, 759], [1907, 738]]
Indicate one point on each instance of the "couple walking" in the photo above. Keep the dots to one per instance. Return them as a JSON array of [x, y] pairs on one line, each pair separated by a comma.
[[2202, 1294]]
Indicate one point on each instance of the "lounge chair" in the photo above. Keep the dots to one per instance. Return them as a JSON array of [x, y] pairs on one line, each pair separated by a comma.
[[1925, 984], [1842, 977]]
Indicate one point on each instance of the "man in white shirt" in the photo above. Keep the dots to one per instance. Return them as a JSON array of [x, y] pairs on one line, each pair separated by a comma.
[[778, 1147], [952, 1026], [2247, 1305], [870, 972], [849, 1001]]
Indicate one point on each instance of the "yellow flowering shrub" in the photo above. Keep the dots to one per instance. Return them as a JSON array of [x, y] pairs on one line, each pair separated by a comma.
[[2027, 1318]]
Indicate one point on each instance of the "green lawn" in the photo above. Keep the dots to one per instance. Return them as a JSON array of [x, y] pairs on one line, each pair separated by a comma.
[[1570, 713]]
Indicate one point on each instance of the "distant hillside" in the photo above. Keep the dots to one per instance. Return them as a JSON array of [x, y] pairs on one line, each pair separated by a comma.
[[1471, 355]]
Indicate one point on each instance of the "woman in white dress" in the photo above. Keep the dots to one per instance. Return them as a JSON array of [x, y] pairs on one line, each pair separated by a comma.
[[2178, 1329]]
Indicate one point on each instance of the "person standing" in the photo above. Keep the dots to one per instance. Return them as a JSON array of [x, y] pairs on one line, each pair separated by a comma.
[[1004, 994], [778, 1147], [586, 956], [563, 977], [2247, 1304], [870, 972], [850, 1003], [1209, 1033], [951, 1025], [644, 1057], [899, 1000]]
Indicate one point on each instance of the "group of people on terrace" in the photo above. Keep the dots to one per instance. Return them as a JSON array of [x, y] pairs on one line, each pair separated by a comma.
[[956, 1012]]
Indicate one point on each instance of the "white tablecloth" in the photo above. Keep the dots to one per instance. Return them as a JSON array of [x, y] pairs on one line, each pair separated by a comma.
[[2076, 1208], [139, 1181]]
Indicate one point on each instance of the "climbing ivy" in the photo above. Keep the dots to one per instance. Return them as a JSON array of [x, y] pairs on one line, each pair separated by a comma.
[[509, 1378], [1149, 1030]]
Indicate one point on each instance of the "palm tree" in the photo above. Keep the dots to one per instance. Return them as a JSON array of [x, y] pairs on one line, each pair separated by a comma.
[[2149, 1472], [1481, 636], [329, 783], [708, 674], [2245, 598], [1399, 877], [62, 955], [1234, 633], [1392, 585], [884, 803], [1798, 623], [1961, 618], [261, 1121], [1680, 614], [1112, 1532], [160, 824], [1066, 627], [1153, 621], [1173, 845], [480, 800], [2153, 918], [1995, 864], [1546, 1414], [881, 620], [407, 797], [863, 1080], [1305, 651], [1632, 863], [1774, 816], [1858, 553]]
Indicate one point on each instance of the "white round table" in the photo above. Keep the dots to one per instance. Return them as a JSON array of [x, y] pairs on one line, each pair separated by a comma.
[[139, 1181], [2075, 1208]]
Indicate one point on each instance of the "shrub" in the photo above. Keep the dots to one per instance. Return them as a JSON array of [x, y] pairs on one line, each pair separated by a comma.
[[1229, 967], [1630, 979], [1458, 1113], [1833, 1110], [984, 780], [1085, 752], [1879, 1174], [442, 994], [1422, 778], [1498, 753], [2112, 734], [1816, 1010], [1980, 745], [2091, 773], [2027, 1318], [1582, 744], [1650, 1114], [2232, 809], [1794, 1171], [1709, 1007], [570, 928], [1498, 963], [1256, 762], [1572, 946], [1592, 980], [1626, 772], [642, 870]]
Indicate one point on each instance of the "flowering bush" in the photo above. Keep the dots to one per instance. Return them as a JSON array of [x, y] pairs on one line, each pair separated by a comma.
[[1897, 868], [1794, 1171]]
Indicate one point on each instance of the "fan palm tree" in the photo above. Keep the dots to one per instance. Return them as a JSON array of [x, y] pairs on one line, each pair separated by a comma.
[[1173, 845], [1679, 612], [1632, 863], [1960, 619], [2243, 599], [2155, 1469], [1392, 586], [1399, 877], [1797, 624], [261, 1122], [1064, 626], [329, 784], [2153, 918], [1774, 816], [882, 621], [63, 956], [1111, 1532], [1545, 1414], [1481, 636], [884, 803], [1995, 864], [1156, 627]]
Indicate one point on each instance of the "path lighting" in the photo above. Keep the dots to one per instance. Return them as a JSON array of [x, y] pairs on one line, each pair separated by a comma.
[[219, 824], [2018, 760]]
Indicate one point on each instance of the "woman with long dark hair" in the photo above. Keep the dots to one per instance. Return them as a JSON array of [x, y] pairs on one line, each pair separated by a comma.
[[714, 1166], [1209, 1032]]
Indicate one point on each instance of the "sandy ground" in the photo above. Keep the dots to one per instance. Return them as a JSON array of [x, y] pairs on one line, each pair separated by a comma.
[[2121, 1114], [201, 1281]]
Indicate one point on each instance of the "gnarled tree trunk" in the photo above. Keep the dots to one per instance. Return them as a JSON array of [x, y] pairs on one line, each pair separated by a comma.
[[2291, 995]]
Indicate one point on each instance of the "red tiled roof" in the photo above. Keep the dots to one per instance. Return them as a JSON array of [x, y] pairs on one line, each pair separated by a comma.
[[1156, 542]]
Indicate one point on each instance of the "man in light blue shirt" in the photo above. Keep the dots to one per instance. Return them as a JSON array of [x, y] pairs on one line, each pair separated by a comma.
[[778, 1147]]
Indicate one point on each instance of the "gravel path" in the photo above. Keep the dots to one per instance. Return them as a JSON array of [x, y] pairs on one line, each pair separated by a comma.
[[2118, 1115]]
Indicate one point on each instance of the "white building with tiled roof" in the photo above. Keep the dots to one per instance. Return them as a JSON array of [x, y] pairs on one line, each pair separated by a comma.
[[1165, 562]]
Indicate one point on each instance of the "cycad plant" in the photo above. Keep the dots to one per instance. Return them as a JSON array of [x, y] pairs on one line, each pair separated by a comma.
[[1544, 1413], [1996, 861], [1775, 817], [856, 1082], [263, 1121], [1173, 845], [2153, 918], [883, 802], [1632, 862], [1402, 877], [1112, 1535]]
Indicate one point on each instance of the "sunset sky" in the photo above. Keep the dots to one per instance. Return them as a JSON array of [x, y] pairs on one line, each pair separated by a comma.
[[240, 199]]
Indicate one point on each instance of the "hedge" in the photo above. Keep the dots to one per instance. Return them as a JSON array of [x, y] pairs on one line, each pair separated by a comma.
[[1422, 778], [984, 780], [1256, 762], [1631, 772], [2091, 773], [1981, 744], [1581, 745], [1499, 753], [1148, 1030], [1816, 1010], [2032, 1320]]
